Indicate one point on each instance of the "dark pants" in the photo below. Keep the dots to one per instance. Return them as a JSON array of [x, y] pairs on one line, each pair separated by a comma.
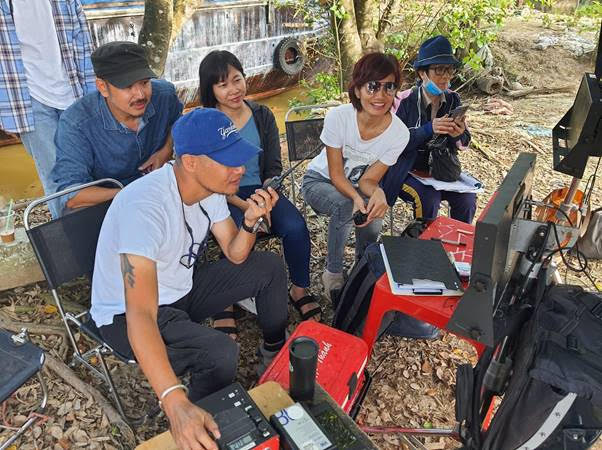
[[426, 201], [288, 224], [212, 356]]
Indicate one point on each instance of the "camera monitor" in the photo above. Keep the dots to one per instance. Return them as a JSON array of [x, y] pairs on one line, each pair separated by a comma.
[[578, 135], [493, 260]]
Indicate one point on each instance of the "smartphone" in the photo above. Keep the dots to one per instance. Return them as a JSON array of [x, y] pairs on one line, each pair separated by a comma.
[[459, 112]]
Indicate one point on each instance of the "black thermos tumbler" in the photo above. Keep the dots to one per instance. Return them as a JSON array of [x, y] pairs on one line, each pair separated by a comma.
[[303, 357]]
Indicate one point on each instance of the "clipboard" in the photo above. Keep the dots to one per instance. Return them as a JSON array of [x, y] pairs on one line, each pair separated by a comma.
[[419, 267]]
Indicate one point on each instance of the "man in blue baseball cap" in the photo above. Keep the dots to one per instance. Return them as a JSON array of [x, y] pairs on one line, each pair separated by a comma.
[[147, 300]]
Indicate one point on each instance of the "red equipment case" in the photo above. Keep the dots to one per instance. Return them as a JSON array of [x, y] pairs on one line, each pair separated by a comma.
[[341, 362]]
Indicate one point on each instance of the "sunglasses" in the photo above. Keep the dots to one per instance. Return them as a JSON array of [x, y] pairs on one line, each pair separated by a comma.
[[196, 249], [443, 70], [372, 87]]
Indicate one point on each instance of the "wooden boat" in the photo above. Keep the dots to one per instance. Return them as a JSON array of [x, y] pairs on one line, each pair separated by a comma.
[[268, 40]]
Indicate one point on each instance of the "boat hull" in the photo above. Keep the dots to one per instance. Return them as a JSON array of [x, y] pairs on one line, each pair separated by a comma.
[[251, 30]]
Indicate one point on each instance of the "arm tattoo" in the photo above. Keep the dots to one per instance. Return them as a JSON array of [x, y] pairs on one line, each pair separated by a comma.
[[127, 269]]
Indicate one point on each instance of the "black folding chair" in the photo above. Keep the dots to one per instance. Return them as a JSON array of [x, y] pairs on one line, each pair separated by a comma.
[[303, 137], [21, 360], [65, 248]]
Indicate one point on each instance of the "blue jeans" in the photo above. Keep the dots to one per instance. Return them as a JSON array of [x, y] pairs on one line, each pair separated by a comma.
[[325, 199], [39, 143], [426, 200], [288, 224]]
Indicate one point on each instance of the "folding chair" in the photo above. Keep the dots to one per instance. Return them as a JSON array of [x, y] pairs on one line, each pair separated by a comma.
[[65, 248], [303, 138], [21, 360]]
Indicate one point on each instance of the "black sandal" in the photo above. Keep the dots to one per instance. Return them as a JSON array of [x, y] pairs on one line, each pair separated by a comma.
[[225, 315], [305, 300]]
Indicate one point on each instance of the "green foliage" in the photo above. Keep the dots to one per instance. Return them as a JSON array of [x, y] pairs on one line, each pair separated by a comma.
[[468, 24], [590, 9], [539, 4], [322, 89]]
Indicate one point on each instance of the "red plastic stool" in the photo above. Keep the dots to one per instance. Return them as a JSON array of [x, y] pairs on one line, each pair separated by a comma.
[[436, 310]]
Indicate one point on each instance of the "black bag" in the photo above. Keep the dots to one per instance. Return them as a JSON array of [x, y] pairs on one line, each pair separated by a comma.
[[351, 305], [443, 161], [553, 399], [353, 302]]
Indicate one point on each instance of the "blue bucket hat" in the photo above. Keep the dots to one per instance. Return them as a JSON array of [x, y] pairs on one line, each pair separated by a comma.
[[436, 50], [208, 131]]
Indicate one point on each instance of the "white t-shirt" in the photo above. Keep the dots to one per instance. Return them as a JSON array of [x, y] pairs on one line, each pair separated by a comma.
[[46, 76], [146, 219], [341, 131]]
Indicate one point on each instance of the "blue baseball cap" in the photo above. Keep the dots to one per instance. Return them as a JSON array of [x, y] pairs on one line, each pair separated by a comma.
[[208, 131]]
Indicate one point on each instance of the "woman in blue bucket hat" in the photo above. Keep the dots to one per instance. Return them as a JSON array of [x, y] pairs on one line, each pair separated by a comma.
[[425, 109]]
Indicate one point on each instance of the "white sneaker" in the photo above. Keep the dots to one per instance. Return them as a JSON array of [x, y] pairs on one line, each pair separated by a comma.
[[332, 282]]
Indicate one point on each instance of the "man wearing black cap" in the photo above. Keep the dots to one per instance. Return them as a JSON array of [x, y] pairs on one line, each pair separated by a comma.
[[122, 131], [152, 309]]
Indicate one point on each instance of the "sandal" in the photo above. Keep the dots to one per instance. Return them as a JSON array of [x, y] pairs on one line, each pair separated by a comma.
[[305, 300], [232, 331]]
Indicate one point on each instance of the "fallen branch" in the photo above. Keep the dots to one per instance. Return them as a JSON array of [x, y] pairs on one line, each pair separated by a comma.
[[8, 323], [531, 90], [63, 371], [475, 144], [533, 146], [491, 85], [484, 133]]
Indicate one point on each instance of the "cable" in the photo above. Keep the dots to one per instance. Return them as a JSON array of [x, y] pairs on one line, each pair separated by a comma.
[[581, 258], [590, 183], [535, 260]]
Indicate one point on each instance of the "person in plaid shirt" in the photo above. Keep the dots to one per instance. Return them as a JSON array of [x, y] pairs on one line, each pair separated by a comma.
[[44, 67]]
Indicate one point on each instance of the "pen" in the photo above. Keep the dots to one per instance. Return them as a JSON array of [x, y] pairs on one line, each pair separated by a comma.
[[447, 241]]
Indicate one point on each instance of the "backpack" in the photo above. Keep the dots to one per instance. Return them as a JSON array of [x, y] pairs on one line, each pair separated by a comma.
[[352, 303], [553, 396]]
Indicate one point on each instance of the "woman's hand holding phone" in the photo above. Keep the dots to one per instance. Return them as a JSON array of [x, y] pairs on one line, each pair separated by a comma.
[[443, 125]]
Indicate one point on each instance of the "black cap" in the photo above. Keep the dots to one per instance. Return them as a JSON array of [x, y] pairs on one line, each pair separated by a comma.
[[121, 63]]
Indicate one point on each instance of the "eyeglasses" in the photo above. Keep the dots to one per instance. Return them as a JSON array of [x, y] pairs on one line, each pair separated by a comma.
[[372, 87], [443, 70], [196, 250]]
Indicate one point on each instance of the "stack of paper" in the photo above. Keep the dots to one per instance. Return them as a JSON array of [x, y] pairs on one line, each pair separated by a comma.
[[466, 183], [419, 267]]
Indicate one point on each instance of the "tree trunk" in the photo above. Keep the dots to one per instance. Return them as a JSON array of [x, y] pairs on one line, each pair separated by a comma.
[[384, 24], [182, 11], [351, 45], [367, 15], [156, 32]]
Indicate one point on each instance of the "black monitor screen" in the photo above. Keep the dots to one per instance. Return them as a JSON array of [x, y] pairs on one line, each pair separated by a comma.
[[493, 261]]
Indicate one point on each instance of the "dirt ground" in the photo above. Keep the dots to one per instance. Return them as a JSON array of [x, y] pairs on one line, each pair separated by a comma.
[[413, 381]]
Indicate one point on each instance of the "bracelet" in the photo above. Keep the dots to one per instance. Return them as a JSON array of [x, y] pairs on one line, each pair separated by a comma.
[[247, 228], [169, 390]]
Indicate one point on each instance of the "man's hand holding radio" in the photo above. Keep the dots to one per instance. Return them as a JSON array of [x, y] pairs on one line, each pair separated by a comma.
[[259, 205], [190, 425]]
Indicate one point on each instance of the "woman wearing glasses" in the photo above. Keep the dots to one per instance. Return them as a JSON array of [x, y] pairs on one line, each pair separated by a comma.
[[425, 109], [222, 86], [362, 139]]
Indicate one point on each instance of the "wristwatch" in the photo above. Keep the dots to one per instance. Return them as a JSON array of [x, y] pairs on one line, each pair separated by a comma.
[[247, 228]]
